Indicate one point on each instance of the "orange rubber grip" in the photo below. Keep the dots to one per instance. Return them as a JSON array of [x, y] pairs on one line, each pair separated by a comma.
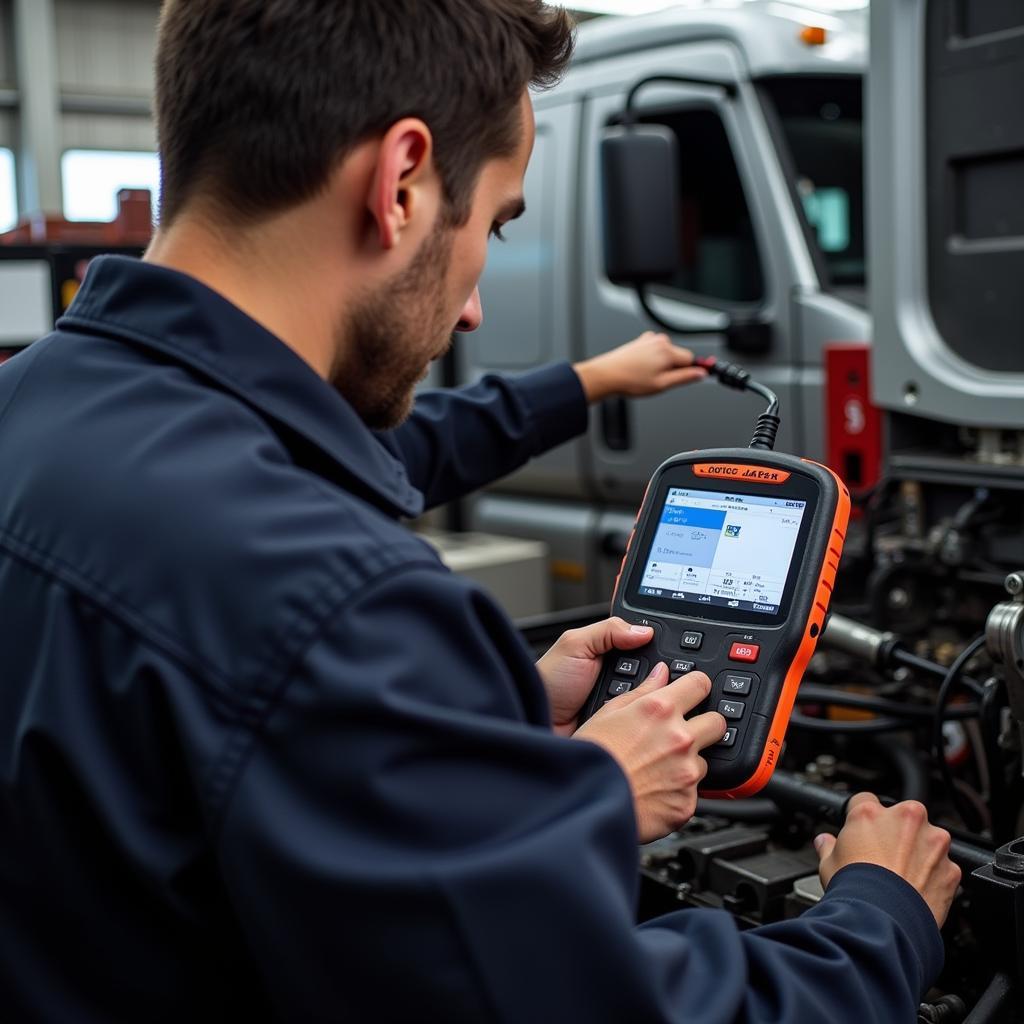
[[812, 630]]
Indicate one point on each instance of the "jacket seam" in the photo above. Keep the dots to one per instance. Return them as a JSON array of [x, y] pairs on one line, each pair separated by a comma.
[[56, 568], [109, 326], [240, 745], [247, 706], [37, 357], [111, 329]]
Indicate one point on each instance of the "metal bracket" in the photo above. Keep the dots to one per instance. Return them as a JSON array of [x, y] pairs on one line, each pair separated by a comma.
[[1004, 638]]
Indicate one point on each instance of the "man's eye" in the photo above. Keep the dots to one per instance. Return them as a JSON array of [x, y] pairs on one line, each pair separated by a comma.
[[496, 233]]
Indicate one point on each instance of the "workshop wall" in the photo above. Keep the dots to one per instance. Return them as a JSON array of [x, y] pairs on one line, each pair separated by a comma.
[[105, 73], [8, 93], [101, 54]]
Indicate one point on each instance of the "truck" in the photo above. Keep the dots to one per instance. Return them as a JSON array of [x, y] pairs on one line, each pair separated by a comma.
[[766, 102]]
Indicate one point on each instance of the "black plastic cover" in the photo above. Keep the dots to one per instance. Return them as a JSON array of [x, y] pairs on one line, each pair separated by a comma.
[[640, 179], [779, 637], [975, 156]]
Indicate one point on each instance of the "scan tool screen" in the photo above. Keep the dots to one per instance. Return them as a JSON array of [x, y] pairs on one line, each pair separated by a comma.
[[723, 550]]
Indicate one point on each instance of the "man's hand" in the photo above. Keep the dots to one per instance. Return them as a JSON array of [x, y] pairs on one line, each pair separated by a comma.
[[657, 748], [898, 838], [647, 365], [570, 669]]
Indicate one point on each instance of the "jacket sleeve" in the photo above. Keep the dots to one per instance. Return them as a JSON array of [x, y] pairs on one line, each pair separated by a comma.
[[457, 441], [408, 840]]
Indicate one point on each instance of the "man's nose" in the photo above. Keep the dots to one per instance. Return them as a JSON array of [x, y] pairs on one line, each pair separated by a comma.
[[472, 315]]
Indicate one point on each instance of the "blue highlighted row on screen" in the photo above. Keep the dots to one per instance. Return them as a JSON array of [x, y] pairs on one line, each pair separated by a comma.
[[702, 518]]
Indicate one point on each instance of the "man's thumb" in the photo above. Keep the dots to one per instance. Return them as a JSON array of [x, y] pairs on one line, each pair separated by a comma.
[[626, 637], [824, 844]]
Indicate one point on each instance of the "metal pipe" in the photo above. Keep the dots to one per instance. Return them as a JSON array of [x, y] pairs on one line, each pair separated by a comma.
[[993, 1001], [789, 791], [859, 641]]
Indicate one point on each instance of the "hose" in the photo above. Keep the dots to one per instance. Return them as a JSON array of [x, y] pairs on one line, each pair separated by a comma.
[[875, 725], [828, 805], [993, 1001], [753, 811], [967, 813], [820, 694], [913, 777]]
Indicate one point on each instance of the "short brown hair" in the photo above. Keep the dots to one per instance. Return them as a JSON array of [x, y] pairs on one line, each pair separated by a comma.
[[258, 100]]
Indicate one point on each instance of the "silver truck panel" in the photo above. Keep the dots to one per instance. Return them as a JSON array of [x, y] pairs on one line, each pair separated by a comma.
[[548, 280], [913, 369], [819, 319], [767, 32], [703, 416], [527, 292]]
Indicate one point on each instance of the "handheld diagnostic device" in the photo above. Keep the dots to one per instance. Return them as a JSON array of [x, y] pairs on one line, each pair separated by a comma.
[[732, 561]]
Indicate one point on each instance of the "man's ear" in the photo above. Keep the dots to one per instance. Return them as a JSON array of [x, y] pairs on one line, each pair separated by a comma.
[[404, 168]]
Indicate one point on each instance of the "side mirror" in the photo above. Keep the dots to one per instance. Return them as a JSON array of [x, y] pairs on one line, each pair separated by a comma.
[[640, 178], [640, 166]]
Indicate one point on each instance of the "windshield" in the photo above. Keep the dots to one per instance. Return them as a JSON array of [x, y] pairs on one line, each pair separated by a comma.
[[822, 122]]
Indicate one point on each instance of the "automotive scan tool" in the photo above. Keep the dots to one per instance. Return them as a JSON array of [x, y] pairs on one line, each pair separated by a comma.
[[732, 561]]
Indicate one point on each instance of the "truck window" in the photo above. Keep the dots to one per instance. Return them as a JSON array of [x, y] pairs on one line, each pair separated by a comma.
[[718, 260], [820, 119]]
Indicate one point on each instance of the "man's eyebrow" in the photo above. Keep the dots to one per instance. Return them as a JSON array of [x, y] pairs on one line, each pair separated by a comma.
[[513, 209]]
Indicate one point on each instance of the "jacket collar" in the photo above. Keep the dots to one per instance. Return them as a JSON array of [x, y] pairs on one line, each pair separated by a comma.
[[176, 315]]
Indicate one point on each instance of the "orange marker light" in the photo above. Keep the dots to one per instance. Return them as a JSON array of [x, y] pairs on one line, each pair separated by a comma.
[[813, 35]]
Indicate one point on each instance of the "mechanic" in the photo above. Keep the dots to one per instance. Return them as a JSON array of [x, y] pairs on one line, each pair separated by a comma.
[[263, 757]]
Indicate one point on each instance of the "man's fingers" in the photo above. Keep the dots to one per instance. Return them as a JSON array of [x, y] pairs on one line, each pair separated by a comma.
[[655, 681], [601, 637], [681, 356], [685, 375], [626, 637], [689, 691], [824, 844], [861, 798], [707, 729]]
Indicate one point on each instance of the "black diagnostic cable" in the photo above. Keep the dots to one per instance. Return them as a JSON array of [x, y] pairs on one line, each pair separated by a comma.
[[1001, 804], [820, 694], [966, 812], [733, 376], [797, 720], [905, 657]]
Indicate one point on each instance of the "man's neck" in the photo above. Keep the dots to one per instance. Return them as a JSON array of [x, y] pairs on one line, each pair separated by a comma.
[[266, 274]]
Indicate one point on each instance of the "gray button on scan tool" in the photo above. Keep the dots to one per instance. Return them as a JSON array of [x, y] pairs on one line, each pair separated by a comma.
[[732, 709], [691, 641]]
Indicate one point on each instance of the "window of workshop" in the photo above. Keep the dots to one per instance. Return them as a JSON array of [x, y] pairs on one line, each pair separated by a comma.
[[828, 210], [92, 178], [718, 258], [8, 196]]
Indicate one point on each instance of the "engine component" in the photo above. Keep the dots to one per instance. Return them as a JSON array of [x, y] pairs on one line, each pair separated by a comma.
[[1004, 633]]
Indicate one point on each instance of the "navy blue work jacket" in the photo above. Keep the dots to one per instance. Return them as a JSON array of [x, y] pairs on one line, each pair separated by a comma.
[[262, 757]]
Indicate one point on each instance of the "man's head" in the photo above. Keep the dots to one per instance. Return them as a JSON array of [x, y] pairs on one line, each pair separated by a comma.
[[408, 118]]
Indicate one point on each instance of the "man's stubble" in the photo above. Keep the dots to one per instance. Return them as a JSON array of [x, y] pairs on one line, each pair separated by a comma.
[[391, 336]]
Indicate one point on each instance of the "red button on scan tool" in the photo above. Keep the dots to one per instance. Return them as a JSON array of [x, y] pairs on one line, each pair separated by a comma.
[[744, 652]]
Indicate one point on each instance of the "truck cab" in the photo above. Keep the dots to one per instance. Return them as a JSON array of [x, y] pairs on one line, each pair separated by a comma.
[[766, 103]]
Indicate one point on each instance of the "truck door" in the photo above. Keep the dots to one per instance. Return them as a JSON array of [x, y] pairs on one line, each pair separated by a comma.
[[741, 255], [525, 292]]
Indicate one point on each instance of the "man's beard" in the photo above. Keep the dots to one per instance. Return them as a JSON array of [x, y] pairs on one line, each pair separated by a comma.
[[391, 336]]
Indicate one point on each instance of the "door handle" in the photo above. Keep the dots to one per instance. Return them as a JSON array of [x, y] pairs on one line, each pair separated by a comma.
[[616, 429]]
